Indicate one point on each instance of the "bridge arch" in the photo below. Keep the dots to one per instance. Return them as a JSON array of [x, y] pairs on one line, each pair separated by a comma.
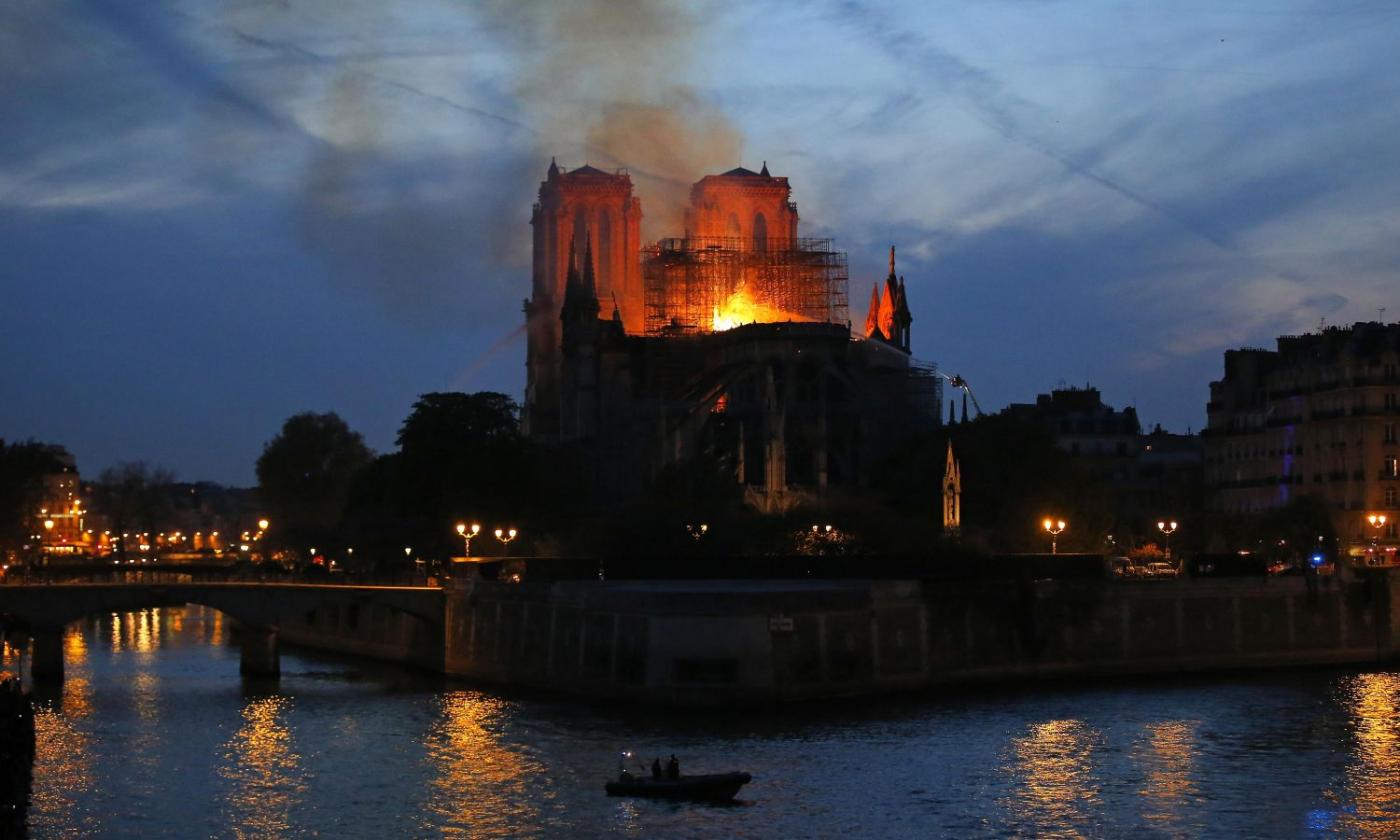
[[399, 623]]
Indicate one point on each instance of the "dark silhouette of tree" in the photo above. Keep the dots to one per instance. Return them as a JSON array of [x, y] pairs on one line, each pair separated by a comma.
[[134, 498], [22, 470], [305, 475]]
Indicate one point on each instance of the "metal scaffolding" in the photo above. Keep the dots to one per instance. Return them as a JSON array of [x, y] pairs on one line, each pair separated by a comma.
[[688, 281]]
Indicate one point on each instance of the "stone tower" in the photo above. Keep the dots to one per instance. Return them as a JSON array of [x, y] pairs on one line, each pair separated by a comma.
[[752, 208], [574, 204]]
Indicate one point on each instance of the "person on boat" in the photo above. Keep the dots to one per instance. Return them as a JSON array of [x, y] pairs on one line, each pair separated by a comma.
[[656, 768], [673, 768]]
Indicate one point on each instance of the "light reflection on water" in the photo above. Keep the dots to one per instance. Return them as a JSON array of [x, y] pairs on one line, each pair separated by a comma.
[[261, 767], [154, 735], [1052, 773], [481, 785]]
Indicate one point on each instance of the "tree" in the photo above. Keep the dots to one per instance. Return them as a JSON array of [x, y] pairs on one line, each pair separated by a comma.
[[22, 470], [305, 474], [134, 498]]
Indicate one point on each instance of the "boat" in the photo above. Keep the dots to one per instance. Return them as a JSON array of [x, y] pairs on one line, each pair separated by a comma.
[[714, 787]]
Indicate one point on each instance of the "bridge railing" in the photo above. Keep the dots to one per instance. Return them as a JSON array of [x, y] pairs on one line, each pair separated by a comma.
[[186, 573]]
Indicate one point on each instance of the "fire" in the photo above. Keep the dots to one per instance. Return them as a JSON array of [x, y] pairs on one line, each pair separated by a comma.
[[740, 309]]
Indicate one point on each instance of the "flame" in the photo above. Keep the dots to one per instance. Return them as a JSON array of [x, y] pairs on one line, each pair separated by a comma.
[[740, 309]]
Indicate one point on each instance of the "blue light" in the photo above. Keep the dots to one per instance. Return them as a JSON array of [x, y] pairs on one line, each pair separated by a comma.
[[1318, 559]]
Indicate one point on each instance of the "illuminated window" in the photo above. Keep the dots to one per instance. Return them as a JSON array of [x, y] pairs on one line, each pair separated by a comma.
[[1390, 468]]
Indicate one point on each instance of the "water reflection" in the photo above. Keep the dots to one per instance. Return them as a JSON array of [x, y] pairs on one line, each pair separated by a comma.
[[263, 771], [64, 760], [482, 785], [1053, 786], [1373, 700], [1166, 755]]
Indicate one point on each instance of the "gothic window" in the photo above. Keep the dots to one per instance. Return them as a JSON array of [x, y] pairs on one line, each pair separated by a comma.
[[602, 255], [580, 230], [760, 233], [731, 228]]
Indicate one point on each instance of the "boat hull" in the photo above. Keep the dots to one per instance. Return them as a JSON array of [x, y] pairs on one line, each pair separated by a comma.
[[716, 787]]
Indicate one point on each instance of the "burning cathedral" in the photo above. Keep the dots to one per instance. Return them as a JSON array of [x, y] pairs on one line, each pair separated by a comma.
[[730, 345]]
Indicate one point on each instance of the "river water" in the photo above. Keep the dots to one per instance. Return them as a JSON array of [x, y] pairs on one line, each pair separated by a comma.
[[155, 735]]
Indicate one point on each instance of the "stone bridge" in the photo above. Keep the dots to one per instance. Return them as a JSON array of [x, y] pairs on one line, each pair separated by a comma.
[[264, 612]]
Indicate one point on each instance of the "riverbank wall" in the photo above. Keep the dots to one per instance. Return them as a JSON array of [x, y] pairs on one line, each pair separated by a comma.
[[716, 643]]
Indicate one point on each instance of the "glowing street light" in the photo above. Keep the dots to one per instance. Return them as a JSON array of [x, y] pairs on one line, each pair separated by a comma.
[[1167, 527], [1053, 527], [697, 532], [1377, 521], [505, 535], [467, 533]]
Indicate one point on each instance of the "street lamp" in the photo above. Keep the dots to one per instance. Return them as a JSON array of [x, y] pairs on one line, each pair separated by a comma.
[[505, 535], [1167, 528], [697, 531], [1053, 527], [467, 534], [1377, 521]]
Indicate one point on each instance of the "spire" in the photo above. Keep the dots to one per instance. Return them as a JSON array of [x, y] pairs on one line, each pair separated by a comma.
[[952, 417], [891, 260], [872, 321], [887, 311], [764, 170], [617, 313], [571, 278], [964, 413], [553, 169]]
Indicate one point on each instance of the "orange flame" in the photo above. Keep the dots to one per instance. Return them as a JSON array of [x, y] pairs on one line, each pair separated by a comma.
[[740, 309]]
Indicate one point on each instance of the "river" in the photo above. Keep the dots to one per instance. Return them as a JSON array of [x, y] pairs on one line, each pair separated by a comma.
[[155, 735]]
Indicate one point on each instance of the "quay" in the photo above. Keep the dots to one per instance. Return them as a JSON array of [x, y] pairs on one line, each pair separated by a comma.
[[721, 642]]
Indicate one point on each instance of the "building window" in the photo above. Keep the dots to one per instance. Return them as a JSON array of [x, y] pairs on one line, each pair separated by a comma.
[[1390, 402], [1390, 468], [1390, 497], [1390, 433]]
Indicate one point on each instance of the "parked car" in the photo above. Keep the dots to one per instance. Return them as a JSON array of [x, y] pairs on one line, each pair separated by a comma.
[[1160, 570]]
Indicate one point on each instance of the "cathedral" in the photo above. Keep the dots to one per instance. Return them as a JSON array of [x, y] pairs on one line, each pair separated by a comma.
[[730, 345]]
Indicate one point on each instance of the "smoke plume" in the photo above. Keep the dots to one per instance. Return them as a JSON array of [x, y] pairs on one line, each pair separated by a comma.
[[612, 83]]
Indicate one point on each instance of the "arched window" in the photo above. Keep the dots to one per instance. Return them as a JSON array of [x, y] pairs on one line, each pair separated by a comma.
[[760, 232], [602, 255], [731, 228], [580, 230]]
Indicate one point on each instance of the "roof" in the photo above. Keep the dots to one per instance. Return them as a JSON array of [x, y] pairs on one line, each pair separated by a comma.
[[587, 169], [741, 171]]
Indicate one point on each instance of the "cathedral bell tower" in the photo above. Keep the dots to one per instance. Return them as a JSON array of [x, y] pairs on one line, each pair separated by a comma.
[[572, 203]]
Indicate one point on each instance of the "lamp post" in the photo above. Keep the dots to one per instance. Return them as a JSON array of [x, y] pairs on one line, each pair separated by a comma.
[[505, 535], [1167, 527], [467, 533], [1053, 527], [1377, 521], [258, 538]]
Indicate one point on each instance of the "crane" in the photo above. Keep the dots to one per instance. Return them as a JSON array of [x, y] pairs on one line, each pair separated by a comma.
[[961, 384]]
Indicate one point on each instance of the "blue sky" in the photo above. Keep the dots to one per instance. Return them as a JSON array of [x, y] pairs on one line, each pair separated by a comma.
[[216, 214]]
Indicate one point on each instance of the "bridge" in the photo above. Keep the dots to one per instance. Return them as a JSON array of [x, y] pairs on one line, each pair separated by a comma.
[[264, 610]]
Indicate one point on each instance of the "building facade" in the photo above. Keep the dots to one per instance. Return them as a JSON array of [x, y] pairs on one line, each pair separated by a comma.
[[742, 356], [1316, 416]]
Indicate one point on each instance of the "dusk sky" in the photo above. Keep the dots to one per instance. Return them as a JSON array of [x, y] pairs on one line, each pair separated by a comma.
[[214, 215]]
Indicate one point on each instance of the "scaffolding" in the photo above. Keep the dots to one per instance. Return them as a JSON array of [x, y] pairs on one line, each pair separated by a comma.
[[690, 281]]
